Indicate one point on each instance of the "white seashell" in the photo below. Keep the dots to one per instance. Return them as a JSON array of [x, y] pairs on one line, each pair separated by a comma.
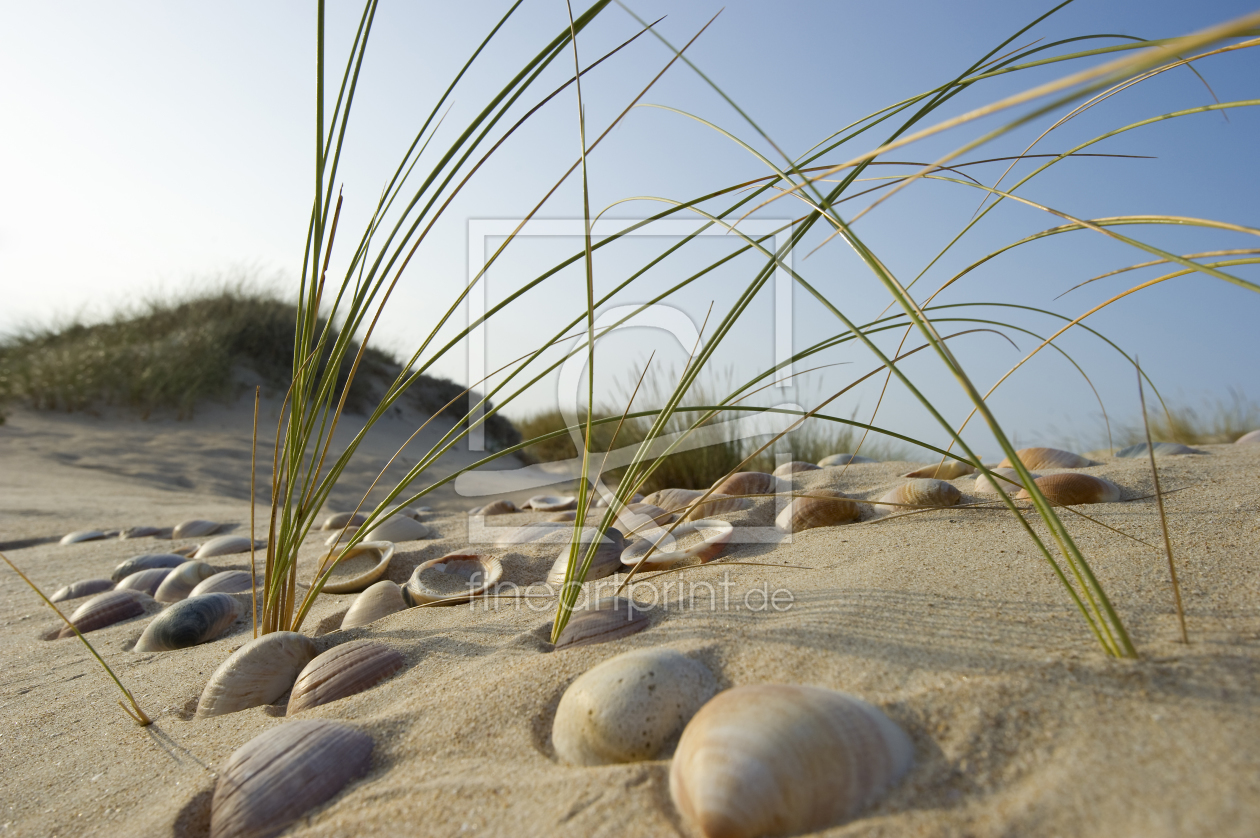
[[983, 486], [379, 600], [227, 582], [1162, 449], [1071, 489], [682, 546], [145, 562], [605, 562], [144, 581], [919, 493], [1249, 438], [781, 760], [181, 581], [82, 588], [1043, 458], [948, 470], [844, 460], [105, 609], [452, 579], [189, 622], [357, 568], [226, 545], [258, 673], [194, 528], [550, 503], [338, 520], [630, 707], [821, 508], [343, 671], [610, 618], [278, 776], [788, 469], [399, 528], [81, 535], [138, 532], [751, 483]]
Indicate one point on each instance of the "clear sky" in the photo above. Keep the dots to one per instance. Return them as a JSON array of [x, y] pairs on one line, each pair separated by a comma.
[[151, 147]]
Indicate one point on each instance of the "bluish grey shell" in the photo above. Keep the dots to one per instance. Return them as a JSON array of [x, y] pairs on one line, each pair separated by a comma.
[[1162, 449], [194, 528], [189, 622], [343, 671], [227, 582], [145, 581], [145, 562], [182, 580], [84, 587], [104, 610], [224, 545], [844, 460], [608, 619]]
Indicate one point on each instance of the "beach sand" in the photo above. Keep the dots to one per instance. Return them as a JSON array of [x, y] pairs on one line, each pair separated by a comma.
[[949, 621]]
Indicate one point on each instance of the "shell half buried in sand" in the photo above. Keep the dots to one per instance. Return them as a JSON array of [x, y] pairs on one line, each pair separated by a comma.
[[550, 503], [452, 579], [948, 470], [844, 460], [144, 562], [751, 483], [258, 673], [1072, 489], [343, 671], [983, 486], [610, 618], [194, 528], [379, 600], [105, 609], [82, 588], [189, 622], [919, 493], [821, 508], [716, 504], [226, 545], [80, 536], [1044, 458], [605, 562], [695, 542], [356, 568], [789, 469]]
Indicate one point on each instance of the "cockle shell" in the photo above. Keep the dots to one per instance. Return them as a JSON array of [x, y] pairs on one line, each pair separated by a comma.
[[629, 707], [1071, 489], [358, 568], [498, 507], [339, 520], [844, 460], [918, 493], [379, 600], [1043, 458], [258, 673], [948, 470], [1161, 449], [716, 535], [605, 562], [750, 483], [452, 579], [788, 469], [226, 545], [81, 535], [610, 618], [983, 486], [194, 528], [673, 500], [189, 622], [550, 503], [144, 581], [715, 505], [1248, 438], [145, 562], [82, 588], [138, 532], [343, 671], [227, 582], [180, 582], [399, 528], [278, 776], [104, 610], [780, 760], [821, 508]]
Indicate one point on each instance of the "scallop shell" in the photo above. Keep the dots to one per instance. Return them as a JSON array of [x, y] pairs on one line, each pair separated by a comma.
[[1162, 449], [630, 707], [399, 528], [338, 520], [452, 579], [605, 562], [844, 460], [145, 562], [673, 500], [82, 588], [104, 610], [194, 528], [1043, 458], [343, 671], [607, 619], [780, 760], [788, 469], [719, 534], [358, 568], [1072, 489], [982, 486], [181, 581], [550, 503], [750, 483], [498, 507], [1249, 438], [226, 545], [227, 582], [189, 622], [144, 581], [139, 532], [258, 673], [818, 509], [716, 504], [379, 600], [918, 493], [948, 470], [81, 535], [278, 776]]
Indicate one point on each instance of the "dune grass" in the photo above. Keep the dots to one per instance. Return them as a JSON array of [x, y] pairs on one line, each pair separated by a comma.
[[1218, 421]]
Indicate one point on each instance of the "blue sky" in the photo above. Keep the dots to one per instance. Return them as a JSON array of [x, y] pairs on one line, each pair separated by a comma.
[[151, 147]]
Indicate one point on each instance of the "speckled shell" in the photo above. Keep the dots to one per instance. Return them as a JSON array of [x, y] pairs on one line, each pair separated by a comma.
[[817, 510], [138, 532], [82, 588], [715, 505], [1249, 438], [610, 618], [338, 520], [844, 460], [81, 535], [194, 528], [1043, 458], [719, 534], [1072, 489], [226, 545], [279, 775], [673, 500], [469, 575], [145, 562], [399, 528], [227, 582], [983, 486], [788, 469], [498, 507], [605, 562], [550, 503], [189, 622], [362, 565], [180, 582], [104, 610], [343, 671], [379, 600], [948, 470], [630, 707], [781, 760], [144, 581], [750, 483], [1162, 449], [258, 673], [918, 493]]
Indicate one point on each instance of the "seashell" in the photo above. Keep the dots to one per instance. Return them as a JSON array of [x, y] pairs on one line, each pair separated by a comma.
[[278, 776], [547, 532], [607, 619], [414, 512], [715, 536], [144, 562], [194, 528], [357, 568], [104, 610], [399, 528], [550, 503], [630, 707], [1042, 458], [226, 545], [605, 562], [984, 487], [750, 483], [673, 500], [139, 532], [452, 578], [1249, 438], [776, 759], [918, 493], [189, 622], [338, 520], [81, 535], [716, 504], [379, 600], [1071, 489], [343, 671], [561, 517], [82, 588], [948, 470], [639, 516], [144, 581], [227, 582], [600, 502], [843, 460], [181, 581], [1162, 449], [498, 507], [258, 673], [822, 508], [186, 551], [788, 469]]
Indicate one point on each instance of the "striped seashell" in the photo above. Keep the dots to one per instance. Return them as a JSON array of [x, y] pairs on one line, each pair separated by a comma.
[[400, 528], [138, 532], [258, 673], [716, 504], [605, 562], [104, 610], [1161, 449], [343, 671], [844, 460], [452, 579], [662, 545], [82, 588], [81, 535], [145, 562], [277, 777], [194, 528], [788, 469], [751, 483], [610, 618], [227, 582], [189, 622], [1072, 489], [673, 500], [180, 582], [498, 507], [948, 470], [821, 508], [379, 600], [1043, 458], [144, 581], [339, 520], [919, 493], [983, 486], [356, 568], [226, 545], [550, 503], [1249, 438]]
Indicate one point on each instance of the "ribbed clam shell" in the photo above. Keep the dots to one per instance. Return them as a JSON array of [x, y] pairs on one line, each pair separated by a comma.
[[379, 600], [226, 545], [338, 520], [1043, 458], [82, 588], [630, 707], [822, 508], [452, 579], [715, 505], [399, 528], [498, 507], [227, 582], [189, 622], [948, 470], [194, 528], [608, 619], [1161, 449], [180, 582], [1071, 489], [605, 562], [788, 469], [918, 493], [139, 532], [750, 483], [145, 562], [844, 460], [717, 534], [342, 671], [359, 567], [104, 610], [673, 500], [144, 581], [81, 535], [258, 673], [1249, 438], [278, 776], [781, 760]]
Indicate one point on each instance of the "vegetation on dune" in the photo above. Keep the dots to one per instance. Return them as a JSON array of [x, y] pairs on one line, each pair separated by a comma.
[[1218, 421]]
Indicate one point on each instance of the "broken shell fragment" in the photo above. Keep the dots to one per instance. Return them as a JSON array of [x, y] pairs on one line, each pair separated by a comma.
[[605, 562], [1043, 458], [399, 528], [226, 545], [343, 671], [82, 588], [983, 486], [181, 581], [788, 469], [695, 542], [452, 579], [81, 535], [189, 622], [194, 528], [1071, 489], [610, 618], [145, 562], [227, 582], [844, 460], [339, 520], [144, 581], [357, 568], [919, 493], [104, 610], [258, 673], [821, 508], [948, 470], [379, 600]]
